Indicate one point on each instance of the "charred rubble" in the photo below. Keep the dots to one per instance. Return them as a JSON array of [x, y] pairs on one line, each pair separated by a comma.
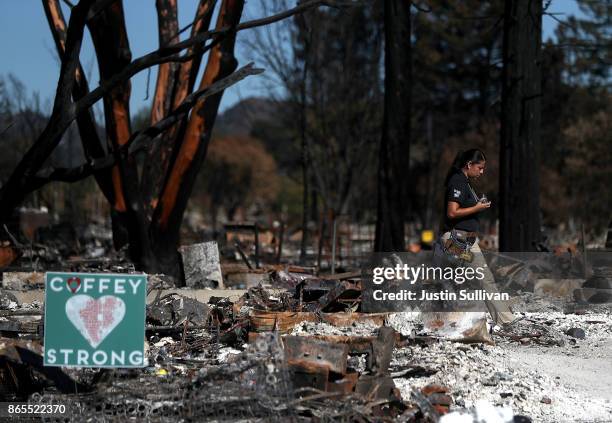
[[296, 346]]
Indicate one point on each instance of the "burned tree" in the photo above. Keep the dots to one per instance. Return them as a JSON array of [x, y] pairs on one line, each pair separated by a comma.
[[292, 75], [147, 204], [330, 102], [394, 155], [519, 219]]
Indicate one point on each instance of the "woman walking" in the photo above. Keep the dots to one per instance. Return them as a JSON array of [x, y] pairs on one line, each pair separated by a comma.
[[459, 239]]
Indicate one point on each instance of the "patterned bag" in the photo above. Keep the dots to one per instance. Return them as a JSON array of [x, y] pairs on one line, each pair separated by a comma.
[[457, 247]]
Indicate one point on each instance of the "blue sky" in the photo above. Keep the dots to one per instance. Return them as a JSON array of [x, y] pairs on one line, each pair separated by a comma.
[[29, 53]]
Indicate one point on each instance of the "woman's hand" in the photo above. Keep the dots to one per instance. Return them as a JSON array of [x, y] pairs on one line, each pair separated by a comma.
[[481, 205]]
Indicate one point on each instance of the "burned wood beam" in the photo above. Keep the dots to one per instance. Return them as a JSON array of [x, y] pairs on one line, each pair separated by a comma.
[[243, 255], [382, 349], [23, 356], [335, 291], [8, 313], [300, 349]]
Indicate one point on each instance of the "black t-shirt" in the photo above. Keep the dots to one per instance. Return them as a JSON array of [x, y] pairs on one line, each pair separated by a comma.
[[459, 191]]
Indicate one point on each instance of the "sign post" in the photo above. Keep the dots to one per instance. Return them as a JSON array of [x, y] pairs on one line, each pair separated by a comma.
[[94, 320]]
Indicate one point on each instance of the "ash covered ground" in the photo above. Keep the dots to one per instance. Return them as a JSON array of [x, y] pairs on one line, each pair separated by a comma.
[[552, 366]]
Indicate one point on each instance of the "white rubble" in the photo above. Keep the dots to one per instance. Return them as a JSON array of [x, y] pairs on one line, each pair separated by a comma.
[[565, 380], [321, 328], [483, 411]]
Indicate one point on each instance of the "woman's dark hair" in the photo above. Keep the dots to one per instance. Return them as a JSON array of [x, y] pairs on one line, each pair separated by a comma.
[[462, 158]]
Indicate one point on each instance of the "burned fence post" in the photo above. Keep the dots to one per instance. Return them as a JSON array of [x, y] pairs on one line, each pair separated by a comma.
[[201, 265]]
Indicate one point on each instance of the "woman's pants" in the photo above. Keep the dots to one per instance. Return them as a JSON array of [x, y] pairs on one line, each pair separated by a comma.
[[500, 310]]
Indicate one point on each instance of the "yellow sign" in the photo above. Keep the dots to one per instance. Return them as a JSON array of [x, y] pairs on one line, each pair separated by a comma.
[[427, 236]]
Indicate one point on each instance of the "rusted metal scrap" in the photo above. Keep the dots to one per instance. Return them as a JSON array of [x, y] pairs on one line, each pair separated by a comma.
[[438, 397], [8, 255], [323, 365], [376, 387], [379, 384], [428, 411], [299, 349]]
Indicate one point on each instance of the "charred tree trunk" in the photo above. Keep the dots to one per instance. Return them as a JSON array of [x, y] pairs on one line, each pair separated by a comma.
[[395, 144], [305, 188], [304, 152], [519, 218], [168, 214], [21, 181], [92, 144], [152, 228], [175, 89], [113, 54], [168, 33]]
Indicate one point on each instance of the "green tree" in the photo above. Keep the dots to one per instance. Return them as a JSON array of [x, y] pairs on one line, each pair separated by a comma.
[[587, 168], [586, 42]]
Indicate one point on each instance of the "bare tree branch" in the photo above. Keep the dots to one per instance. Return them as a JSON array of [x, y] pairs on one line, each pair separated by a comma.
[[92, 144], [12, 192], [141, 139], [144, 137], [7, 128], [51, 174], [204, 5], [65, 112]]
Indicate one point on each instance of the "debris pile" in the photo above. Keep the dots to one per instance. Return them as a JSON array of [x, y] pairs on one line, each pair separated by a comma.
[[297, 346]]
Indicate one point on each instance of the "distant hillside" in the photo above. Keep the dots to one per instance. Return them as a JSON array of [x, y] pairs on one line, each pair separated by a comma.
[[259, 118], [239, 118]]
